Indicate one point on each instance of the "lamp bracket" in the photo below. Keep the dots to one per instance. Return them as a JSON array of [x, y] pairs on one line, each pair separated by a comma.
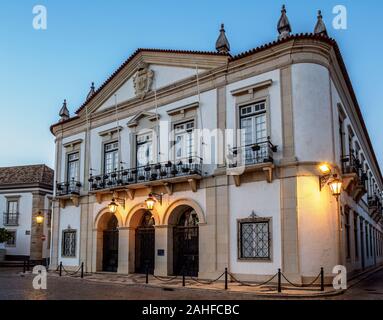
[[157, 196], [323, 180]]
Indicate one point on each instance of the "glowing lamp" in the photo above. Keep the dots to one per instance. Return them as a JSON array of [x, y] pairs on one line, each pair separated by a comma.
[[336, 187], [113, 206], [324, 168], [39, 218], [150, 202]]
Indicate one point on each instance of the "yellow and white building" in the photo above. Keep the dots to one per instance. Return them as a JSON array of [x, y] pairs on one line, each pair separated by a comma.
[[245, 194]]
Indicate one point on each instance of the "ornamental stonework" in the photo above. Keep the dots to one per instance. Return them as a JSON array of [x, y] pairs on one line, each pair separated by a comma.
[[143, 80]]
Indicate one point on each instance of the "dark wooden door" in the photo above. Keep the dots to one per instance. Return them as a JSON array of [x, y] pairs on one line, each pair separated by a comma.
[[110, 251], [185, 248], [144, 250]]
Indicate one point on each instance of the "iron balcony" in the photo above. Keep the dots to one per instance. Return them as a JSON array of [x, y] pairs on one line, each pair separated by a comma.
[[146, 174], [252, 154], [68, 188], [11, 219]]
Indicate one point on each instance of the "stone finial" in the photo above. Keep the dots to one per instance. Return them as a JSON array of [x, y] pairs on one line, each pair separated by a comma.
[[91, 91], [64, 112], [320, 27], [222, 45], [284, 27]]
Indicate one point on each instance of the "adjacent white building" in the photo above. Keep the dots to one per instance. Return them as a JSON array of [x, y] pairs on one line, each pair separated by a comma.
[[25, 193], [248, 197]]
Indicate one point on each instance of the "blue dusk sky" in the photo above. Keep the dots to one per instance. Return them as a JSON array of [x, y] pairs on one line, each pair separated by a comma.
[[87, 40]]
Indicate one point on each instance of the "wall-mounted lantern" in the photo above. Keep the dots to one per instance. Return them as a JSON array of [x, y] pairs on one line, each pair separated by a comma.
[[329, 178], [40, 218], [152, 198]]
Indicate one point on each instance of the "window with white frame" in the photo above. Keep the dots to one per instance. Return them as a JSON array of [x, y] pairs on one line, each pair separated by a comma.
[[69, 243], [73, 167], [144, 147], [253, 123], [254, 239], [11, 216], [111, 161], [184, 140]]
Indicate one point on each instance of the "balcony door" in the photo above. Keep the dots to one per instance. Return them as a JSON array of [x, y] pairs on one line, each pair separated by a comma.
[[144, 149], [253, 123], [184, 140], [111, 160], [73, 170]]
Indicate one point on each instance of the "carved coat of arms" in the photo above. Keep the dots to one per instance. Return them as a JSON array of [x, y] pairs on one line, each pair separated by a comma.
[[143, 80]]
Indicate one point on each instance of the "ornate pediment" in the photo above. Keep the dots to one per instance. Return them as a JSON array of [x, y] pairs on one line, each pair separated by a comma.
[[143, 80]]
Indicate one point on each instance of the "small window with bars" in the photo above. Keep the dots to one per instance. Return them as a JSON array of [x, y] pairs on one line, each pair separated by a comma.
[[69, 243], [254, 239]]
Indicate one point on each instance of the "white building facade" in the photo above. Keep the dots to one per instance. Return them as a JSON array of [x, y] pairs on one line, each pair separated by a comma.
[[248, 196], [25, 193]]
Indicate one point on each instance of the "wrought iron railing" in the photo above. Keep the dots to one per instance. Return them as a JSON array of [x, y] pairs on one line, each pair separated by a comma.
[[11, 219], [68, 188], [252, 154], [351, 164], [375, 202], [149, 173]]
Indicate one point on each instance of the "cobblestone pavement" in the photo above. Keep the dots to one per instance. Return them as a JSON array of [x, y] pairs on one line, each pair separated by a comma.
[[370, 288], [14, 285]]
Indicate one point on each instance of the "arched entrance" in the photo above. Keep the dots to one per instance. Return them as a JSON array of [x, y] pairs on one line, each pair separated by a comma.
[[186, 242], [110, 246], [145, 242]]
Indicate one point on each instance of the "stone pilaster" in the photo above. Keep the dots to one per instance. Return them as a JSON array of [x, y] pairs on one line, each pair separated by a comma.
[[37, 230], [123, 250], [55, 235], [84, 233], [223, 240], [287, 115], [164, 240], [221, 125], [289, 222]]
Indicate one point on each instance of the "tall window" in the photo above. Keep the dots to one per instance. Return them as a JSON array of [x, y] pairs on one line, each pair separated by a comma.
[[144, 149], [11, 217], [348, 251], [111, 161], [73, 173], [367, 242], [69, 243], [350, 149], [356, 235], [184, 140], [253, 123], [341, 136], [254, 239], [371, 242]]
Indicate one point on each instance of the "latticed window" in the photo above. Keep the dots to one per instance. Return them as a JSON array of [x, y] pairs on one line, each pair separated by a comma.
[[254, 239], [69, 243]]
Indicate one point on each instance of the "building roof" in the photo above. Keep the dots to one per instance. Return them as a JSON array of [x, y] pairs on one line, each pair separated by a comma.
[[26, 176], [114, 74]]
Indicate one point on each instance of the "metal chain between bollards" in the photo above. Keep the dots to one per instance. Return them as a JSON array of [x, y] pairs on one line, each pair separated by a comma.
[[252, 284]]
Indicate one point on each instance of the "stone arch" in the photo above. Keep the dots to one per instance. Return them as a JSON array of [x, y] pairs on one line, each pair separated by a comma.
[[100, 227], [130, 218], [169, 216], [105, 214]]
